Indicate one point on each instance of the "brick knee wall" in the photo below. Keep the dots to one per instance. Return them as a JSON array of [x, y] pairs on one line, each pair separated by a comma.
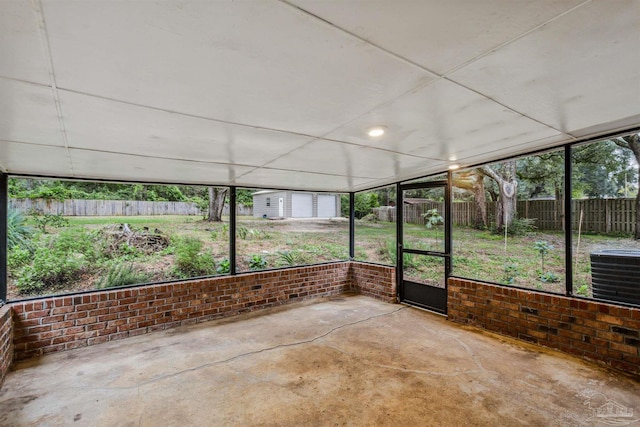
[[589, 329], [376, 281], [59, 323], [6, 341]]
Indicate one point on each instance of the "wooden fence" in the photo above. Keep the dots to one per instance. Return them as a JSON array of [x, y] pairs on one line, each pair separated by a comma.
[[598, 215], [78, 207]]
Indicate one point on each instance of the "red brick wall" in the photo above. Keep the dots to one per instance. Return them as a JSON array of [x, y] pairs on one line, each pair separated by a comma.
[[6, 341], [377, 281], [588, 329], [59, 323]]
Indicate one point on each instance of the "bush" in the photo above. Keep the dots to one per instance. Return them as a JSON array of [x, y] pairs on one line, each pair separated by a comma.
[[49, 270], [58, 260], [224, 267], [291, 258], [190, 261], [257, 262], [42, 220], [122, 275], [18, 233], [18, 257]]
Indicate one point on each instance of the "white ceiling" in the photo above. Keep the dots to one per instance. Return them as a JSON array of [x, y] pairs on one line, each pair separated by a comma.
[[278, 94]]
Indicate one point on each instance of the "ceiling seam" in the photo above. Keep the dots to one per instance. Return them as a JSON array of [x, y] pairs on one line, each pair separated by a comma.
[[512, 40], [439, 76], [569, 135], [46, 46], [311, 138], [362, 39]]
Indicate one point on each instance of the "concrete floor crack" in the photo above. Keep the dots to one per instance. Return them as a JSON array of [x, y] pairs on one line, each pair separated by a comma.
[[254, 352]]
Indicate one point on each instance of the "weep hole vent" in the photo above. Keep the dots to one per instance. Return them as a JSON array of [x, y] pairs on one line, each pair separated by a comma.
[[615, 275]]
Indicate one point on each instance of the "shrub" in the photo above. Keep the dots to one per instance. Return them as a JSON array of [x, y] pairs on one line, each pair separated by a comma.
[[257, 262], [190, 261], [224, 267], [48, 270], [122, 275], [292, 258], [18, 257], [58, 260], [44, 220], [18, 233]]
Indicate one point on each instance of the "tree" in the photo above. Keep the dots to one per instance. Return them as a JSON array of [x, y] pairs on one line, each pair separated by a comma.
[[473, 180], [632, 142], [504, 175], [217, 196]]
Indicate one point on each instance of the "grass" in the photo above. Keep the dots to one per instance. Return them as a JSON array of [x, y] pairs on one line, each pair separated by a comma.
[[476, 254]]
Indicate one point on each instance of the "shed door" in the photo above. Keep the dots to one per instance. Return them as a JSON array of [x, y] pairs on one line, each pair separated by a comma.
[[326, 206], [301, 205]]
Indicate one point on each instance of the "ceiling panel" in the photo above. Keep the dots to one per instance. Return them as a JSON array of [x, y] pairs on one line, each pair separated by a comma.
[[34, 159], [92, 164], [28, 113], [351, 160], [22, 49], [105, 125], [579, 71], [447, 122], [276, 178], [262, 63], [436, 34]]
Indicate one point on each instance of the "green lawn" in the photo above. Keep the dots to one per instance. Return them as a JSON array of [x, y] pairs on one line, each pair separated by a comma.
[[81, 255]]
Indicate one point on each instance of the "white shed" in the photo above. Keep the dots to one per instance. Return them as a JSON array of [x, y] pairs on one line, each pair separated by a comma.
[[295, 204]]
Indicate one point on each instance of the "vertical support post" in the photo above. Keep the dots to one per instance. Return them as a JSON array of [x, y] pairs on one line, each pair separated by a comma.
[[352, 226], [399, 241], [568, 216], [232, 229], [4, 210], [448, 227]]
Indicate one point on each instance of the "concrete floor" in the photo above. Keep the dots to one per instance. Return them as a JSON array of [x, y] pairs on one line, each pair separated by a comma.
[[346, 361]]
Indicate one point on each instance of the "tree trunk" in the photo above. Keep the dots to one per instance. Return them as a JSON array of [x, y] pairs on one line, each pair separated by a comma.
[[632, 142], [506, 207], [481, 203], [216, 203], [474, 181]]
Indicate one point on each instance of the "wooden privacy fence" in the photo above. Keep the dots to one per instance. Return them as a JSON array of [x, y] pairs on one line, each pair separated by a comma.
[[77, 207], [598, 215]]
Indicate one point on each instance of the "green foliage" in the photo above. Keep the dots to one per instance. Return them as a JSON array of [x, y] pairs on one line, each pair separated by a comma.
[[543, 247], [244, 197], [59, 260], [291, 258], [122, 275], [549, 277], [363, 204], [583, 290], [511, 271], [242, 232], [190, 261], [257, 262], [42, 220], [18, 233], [224, 267], [432, 218], [18, 257], [521, 226], [370, 218]]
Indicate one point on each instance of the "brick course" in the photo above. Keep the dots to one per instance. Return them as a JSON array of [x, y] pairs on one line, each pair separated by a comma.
[[372, 280], [59, 323], [6, 341], [589, 329]]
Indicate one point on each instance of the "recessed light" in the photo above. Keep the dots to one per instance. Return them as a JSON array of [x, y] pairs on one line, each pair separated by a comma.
[[453, 158], [454, 167], [376, 131]]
